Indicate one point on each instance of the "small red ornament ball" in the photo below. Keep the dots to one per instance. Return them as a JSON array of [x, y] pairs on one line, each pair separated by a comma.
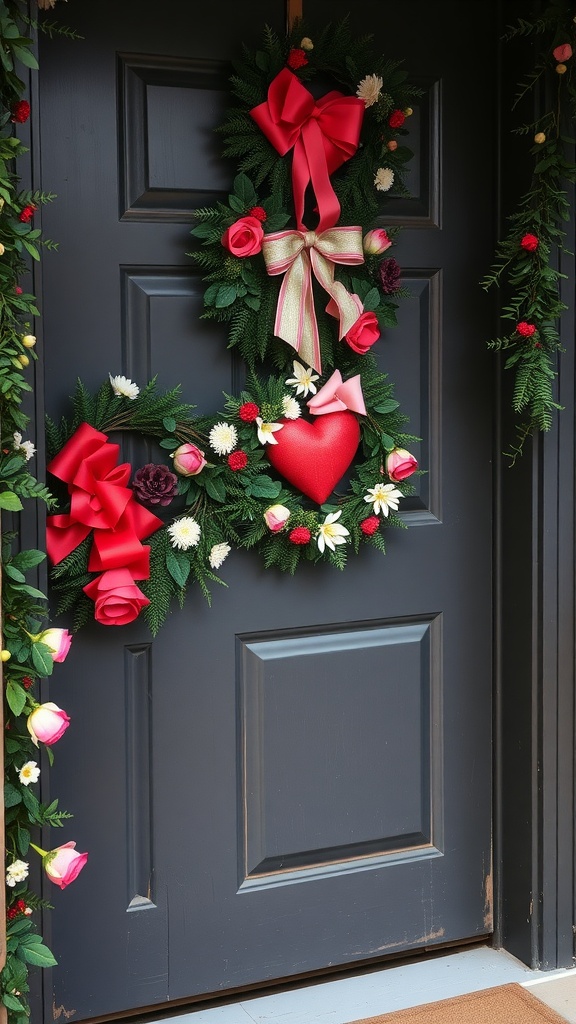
[[259, 212], [248, 412], [397, 118], [300, 535], [27, 214], [237, 460], [530, 243], [525, 330], [296, 58], [20, 112], [370, 525]]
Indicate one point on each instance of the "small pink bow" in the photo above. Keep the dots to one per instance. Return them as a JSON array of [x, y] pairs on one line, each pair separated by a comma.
[[338, 395]]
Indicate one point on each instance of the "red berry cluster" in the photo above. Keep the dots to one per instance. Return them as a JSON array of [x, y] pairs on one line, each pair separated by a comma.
[[20, 112], [397, 118], [370, 525], [237, 460], [300, 535], [27, 213], [248, 412], [296, 58], [530, 243], [259, 212], [525, 330], [20, 907]]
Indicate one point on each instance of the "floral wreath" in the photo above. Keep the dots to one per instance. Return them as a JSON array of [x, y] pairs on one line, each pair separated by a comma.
[[279, 468]]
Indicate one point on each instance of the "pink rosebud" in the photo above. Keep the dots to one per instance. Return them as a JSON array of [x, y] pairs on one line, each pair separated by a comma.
[[562, 52], [364, 333], [64, 864], [376, 241], [58, 640], [47, 723], [276, 517], [188, 460], [244, 237], [400, 464]]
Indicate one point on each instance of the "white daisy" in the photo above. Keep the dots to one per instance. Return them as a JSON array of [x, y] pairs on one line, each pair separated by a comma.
[[383, 497], [384, 179], [303, 379], [17, 871], [184, 533], [218, 554], [369, 89], [291, 408], [25, 447], [124, 388], [223, 438], [331, 533], [29, 772], [266, 431]]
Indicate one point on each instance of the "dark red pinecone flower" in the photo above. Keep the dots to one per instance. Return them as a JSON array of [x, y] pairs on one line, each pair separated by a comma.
[[155, 485], [390, 271]]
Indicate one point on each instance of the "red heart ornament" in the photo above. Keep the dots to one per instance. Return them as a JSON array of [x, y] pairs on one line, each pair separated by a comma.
[[313, 456]]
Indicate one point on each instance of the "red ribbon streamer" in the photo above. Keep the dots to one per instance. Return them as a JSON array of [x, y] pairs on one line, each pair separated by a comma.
[[99, 501], [324, 134]]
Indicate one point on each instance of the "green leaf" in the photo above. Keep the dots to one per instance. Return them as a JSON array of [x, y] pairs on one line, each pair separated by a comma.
[[12, 1003], [14, 573], [236, 204], [39, 955], [12, 796], [25, 57], [10, 501], [372, 300], [387, 441], [42, 658], [170, 443], [388, 405], [215, 488], [253, 302], [264, 487], [227, 294], [28, 559], [169, 424], [244, 189], [178, 567], [16, 697]]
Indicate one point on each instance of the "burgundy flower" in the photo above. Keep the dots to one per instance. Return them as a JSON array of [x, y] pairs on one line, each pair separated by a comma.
[[296, 58], [390, 275], [155, 485], [20, 112]]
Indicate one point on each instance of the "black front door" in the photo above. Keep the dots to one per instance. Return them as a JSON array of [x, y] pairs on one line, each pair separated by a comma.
[[299, 776]]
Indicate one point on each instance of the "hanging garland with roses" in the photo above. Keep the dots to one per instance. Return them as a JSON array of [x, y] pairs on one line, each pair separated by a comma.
[[309, 461]]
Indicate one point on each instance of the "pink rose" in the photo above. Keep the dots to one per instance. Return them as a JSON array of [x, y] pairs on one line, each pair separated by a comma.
[[363, 333], [116, 597], [64, 864], [563, 52], [58, 640], [47, 723], [400, 464], [188, 460], [376, 242], [276, 517], [244, 237]]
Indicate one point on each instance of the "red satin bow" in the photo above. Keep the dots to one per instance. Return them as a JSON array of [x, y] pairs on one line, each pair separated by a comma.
[[99, 501], [324, 134]]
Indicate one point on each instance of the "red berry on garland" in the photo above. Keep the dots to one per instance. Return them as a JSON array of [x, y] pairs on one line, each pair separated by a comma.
[[300, 535], [18, 289], [27, 213], [370, 525], [20, 112], [27, 682], [397, 118], [525, 330], [248, 412], [259, 212], [530, 243], [296, 58], [237, 460]]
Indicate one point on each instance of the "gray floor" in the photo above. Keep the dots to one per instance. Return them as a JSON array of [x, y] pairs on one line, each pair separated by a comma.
[[395, 988]]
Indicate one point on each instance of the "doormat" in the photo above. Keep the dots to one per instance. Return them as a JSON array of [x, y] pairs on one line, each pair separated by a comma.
[[506, 1004]]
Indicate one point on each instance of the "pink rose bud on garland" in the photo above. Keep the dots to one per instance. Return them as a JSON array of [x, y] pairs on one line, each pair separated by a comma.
[[376, 241], [400, 464], [63, 864], [364, 333], [188, 460], [276, 517], [58, 640], [563, 52], [47, 723], [530, 243], [525, 330], [244, 237]]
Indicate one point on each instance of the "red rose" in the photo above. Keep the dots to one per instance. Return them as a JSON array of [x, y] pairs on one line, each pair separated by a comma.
[[237, 460], [244, 237], [397, 118], [300, 535], [525, 330], [296, 58], [259, 212], [27, 213], [20, 111], [363, 333], [248, 412], [530, 243], [370, 525], [117, 599]]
